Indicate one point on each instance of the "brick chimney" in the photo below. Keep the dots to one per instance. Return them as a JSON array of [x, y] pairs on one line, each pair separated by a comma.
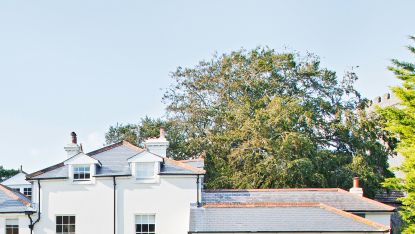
[[73, 148], [158, 145], [356, 189]]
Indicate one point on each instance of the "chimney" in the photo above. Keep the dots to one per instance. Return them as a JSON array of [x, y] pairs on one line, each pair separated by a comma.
[[158, 145], [356, 187], [73, 147]]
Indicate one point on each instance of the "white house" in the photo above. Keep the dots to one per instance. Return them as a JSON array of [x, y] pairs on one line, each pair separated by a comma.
[[15, 210], [19, 183], [123, 189]]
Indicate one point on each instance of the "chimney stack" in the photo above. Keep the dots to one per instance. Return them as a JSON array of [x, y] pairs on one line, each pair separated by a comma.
[[73, 148], [356, 189], [158, 145]]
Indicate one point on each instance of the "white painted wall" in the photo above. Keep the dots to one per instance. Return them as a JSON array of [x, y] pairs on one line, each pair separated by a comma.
[[92, 204], [380, 217], [23, 223]]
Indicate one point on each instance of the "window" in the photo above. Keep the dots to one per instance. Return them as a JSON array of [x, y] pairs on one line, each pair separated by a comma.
[[27, 192], [145, 170], [12, 226], [16, 190], [145, 224], [65, 224], [81, 172]]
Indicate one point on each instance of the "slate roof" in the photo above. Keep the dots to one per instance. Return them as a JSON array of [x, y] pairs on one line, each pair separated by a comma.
[[277, 217], [13, 202], [390, 197], [337, 198], [113, 159]]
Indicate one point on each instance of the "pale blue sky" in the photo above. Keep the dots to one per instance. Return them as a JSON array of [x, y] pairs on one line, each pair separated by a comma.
[[84, 65]]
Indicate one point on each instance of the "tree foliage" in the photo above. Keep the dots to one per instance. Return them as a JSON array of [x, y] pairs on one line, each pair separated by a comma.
[[7, 173], [147, 128], [275, 120], [401, 122]]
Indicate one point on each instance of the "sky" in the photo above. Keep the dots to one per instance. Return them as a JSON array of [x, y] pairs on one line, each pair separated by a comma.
[[84, 65]]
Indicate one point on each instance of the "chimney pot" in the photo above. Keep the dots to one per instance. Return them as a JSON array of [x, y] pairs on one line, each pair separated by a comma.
[[72, 148], [356, 189], [74, 138], [356, 182], [162, 133]]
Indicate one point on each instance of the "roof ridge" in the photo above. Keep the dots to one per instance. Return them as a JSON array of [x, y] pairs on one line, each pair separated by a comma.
[[357, 218], [184, 165], [374, 202], [12, 194], [114, 145], [271, 190]]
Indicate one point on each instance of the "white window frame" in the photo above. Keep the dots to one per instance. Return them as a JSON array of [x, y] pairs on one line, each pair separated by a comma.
[[148, 223], [142, 170], [82, 171], [12, 225], [65, 224], [28, 192]]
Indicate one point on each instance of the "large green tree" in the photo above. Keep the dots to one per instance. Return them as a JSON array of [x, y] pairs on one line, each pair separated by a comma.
[[401, 122], [6, 173], [272, 120]]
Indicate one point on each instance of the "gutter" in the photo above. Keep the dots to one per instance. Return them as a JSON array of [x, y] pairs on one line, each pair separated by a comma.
[[32, 224]]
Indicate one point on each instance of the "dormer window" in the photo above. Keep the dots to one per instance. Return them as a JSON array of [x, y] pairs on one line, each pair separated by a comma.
[[82, 172], [145, 170]]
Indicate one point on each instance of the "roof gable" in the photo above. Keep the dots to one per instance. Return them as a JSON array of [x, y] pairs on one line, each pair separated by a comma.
[[81, 158], [18, 179], [145, 156]]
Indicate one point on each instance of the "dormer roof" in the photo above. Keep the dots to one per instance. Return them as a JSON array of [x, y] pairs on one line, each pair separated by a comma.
[[81, 158], [114, 161]]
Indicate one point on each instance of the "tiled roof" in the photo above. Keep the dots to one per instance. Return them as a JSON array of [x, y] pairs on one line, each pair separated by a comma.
[[198, 163], [13, 202], [389, 197], [277, 217], [114, 162], [337, 198]]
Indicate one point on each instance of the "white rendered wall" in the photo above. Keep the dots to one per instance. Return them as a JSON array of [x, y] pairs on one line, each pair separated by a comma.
[[380, 217], [23, 223], [92, 204]]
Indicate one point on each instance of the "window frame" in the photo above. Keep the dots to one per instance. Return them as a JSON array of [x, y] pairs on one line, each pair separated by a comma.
[[148, 231], [68, 224], [28, 192], [14, 228], [85, 172]]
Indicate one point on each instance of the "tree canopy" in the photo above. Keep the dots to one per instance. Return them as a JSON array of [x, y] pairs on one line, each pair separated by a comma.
[[269, 120], [400, 121], [276, 120], [7, 173]]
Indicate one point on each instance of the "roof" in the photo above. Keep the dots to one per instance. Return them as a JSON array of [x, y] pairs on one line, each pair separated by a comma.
[[198, 163], [277, 217], [389, 197], [13, 202], [334, 197], [18, 179], [114, 162]]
